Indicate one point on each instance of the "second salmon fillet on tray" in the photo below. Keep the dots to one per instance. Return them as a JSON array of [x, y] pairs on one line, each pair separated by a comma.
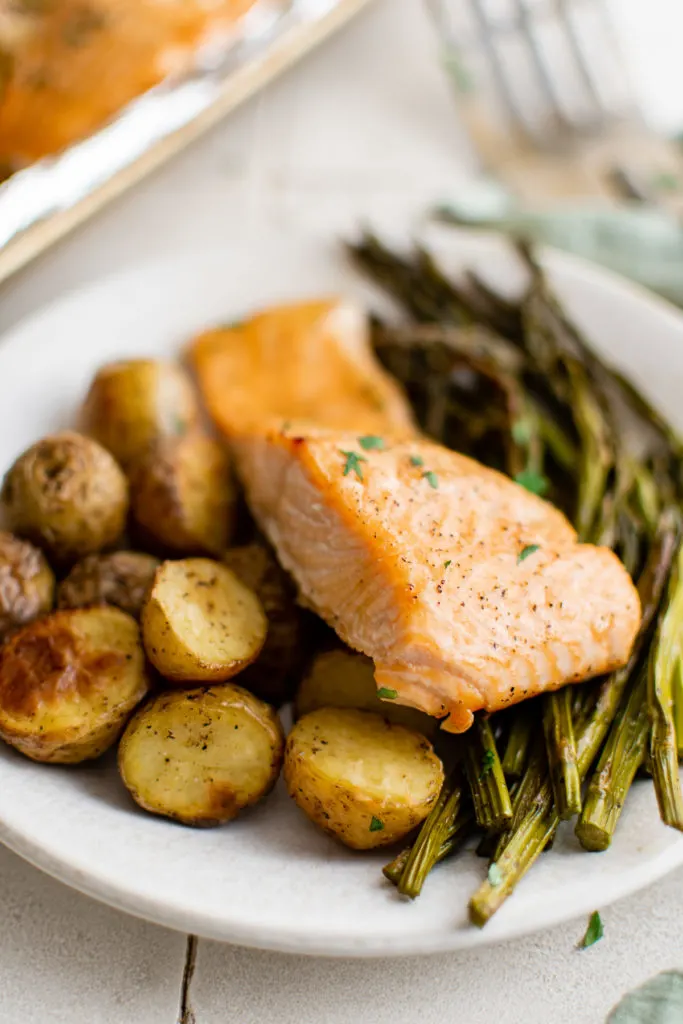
[[468, 592]]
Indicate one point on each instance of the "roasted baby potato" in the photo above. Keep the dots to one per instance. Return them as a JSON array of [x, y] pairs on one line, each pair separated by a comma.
[[201, 756], [122, 579], [182, 496], [365, 781], [27, 584], [273, 674], [135, 402], [200, 623], [68, 683], [342, 679], [66, 494]]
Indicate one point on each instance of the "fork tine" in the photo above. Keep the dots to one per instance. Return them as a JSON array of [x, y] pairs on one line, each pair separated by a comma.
[[487, 35]]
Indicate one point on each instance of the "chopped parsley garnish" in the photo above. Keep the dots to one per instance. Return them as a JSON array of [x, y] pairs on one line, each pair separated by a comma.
[[376, 825], [594, 931], [446, 564], [495, 874], [431, 478], [534, 482], [486, 763], [353, 463], [370, 442], [530, 549], [416, 460], [384, 693], [521, 431]]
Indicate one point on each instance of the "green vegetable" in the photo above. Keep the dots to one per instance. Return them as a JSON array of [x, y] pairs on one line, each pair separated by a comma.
[[353, 463], [494, 875], [490, 795], [530, 549], [594, 931], [371, 442]]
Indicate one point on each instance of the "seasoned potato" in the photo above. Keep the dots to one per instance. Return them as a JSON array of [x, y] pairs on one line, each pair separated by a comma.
[[273, 674], [68, 683], [27, 584], [343, 679], [201, 756], [123, 579], [134, 402], [182, 496], [66, 494], [363, 780], [200, 623]]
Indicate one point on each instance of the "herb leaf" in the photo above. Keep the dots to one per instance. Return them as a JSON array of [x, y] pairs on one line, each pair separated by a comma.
[[530, 549], [431, 478], [594, 931], [353, 463], [534, 482], [384, 693], [416, 460], [376, 825], [486, 763], [371, 442], [446, 564], [495, 874]]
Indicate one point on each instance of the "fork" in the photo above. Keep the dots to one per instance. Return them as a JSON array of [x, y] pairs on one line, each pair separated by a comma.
[[544, 90]]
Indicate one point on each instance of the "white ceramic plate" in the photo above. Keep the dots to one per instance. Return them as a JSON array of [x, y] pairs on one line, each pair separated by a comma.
[[270, 879]]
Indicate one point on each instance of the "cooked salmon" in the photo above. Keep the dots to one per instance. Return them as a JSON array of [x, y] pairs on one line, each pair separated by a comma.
[[309, 364], [66, 67], [468, 592]]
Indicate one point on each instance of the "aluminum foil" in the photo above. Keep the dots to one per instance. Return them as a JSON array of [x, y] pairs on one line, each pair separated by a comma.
[[56, 184]]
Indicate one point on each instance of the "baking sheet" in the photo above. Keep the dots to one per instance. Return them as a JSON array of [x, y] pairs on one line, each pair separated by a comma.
[[42, 203]]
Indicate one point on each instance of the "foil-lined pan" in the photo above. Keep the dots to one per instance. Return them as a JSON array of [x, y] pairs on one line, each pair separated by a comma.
[[42, 203]]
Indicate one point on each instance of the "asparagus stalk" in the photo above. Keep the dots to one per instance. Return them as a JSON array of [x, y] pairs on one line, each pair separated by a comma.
[[621, 757], [663, 667], [518, 743], [558, 729], [529, 786], [490, 795]]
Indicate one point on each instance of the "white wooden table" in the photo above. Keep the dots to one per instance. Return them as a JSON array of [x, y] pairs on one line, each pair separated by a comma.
[[383, 141]]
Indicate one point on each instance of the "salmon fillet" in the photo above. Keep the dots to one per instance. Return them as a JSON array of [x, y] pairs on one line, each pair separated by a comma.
[[309, 364], [468, 592], [66, 67]]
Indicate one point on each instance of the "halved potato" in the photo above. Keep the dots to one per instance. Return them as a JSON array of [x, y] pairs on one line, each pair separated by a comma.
[[134, 402], [66, 494], [272, 676], [200, 623], [68, 683], [27, 584], [123, 579], [344, 679], [182, 496], [201, 756], [363, 780]]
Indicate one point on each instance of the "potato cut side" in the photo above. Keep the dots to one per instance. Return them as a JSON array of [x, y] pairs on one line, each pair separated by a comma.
[[200, 756], [27, 584], [362, 779], [344, 679], [200, 623], [68, 683]]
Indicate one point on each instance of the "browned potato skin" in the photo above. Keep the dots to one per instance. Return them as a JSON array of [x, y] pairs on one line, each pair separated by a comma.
[[182, 496], [122, 579], [67, 495], [63, 698], [27, 584], [135, 402], [274, 674], [221, 800]]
